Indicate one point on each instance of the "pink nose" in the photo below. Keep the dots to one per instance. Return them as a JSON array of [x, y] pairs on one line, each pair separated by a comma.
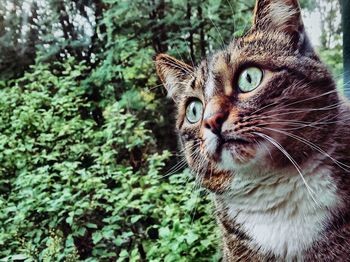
[[214, 122]]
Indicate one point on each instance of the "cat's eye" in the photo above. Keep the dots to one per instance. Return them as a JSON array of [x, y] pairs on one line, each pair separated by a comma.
[[250, 79], [194, 111]]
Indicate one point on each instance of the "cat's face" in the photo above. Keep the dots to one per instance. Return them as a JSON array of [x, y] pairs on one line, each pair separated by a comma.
[[257, 105]]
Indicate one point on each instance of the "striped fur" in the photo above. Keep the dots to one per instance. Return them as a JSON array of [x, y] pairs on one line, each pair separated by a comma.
[[282, 186]]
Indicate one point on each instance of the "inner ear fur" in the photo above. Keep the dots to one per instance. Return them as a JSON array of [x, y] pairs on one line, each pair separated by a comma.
[[280, 15], [173, 73], [283, 16]]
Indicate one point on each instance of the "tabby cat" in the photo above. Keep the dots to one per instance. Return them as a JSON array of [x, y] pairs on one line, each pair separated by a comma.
[[264, 128]]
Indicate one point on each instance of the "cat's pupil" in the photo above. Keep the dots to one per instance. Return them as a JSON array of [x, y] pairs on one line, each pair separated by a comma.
[[194, 111], [249, 78]]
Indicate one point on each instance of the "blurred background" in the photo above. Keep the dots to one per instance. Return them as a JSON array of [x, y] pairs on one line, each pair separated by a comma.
[[90, 169]]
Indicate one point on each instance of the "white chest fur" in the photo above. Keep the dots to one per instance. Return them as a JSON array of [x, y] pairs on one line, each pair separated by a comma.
[[279, 215]]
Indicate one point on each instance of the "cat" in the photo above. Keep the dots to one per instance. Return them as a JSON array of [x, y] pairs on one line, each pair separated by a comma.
[[265, 130]]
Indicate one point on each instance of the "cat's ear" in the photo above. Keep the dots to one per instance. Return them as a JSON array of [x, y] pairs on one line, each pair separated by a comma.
[[284, 16], [281, 15], [174, 74]]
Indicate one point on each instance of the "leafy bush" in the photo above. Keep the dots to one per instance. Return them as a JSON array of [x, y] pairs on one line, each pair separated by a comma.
[[82, 173], [333, 58], [73, 188]]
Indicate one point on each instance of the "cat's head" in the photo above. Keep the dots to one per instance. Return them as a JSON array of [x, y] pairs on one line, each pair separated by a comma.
[[259, 104]]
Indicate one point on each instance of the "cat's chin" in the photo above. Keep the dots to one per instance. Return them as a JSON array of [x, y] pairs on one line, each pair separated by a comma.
[[231, 152], [236, 156], [232, 159], [242, 158]]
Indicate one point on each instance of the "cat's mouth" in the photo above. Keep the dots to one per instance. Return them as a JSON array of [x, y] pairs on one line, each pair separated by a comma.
[[230, 150], [234, 141], [233, 149], [230, 140]]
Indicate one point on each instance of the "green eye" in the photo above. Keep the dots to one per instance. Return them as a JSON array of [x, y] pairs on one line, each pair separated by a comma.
[[250, 79], [194, 111]]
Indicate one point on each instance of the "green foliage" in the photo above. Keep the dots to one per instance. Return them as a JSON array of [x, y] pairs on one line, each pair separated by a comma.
[[72, 189], [85, 130], [333, 58]]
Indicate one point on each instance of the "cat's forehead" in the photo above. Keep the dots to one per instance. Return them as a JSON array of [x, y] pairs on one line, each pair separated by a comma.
[[257, 45], [217, 71]]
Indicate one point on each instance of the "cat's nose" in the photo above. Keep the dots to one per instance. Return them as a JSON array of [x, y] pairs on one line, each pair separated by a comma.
[[214, 122]]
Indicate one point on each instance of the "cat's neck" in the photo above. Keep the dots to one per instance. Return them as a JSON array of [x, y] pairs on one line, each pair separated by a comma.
[[284, 215]]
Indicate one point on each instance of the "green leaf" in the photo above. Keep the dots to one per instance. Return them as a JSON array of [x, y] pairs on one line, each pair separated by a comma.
[[96, 237], [91, 225], [191, 237], [164, 232], [136, 218], [19, 257]]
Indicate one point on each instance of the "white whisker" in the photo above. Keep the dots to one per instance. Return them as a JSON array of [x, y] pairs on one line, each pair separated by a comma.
[[291, 159], [312, 145]]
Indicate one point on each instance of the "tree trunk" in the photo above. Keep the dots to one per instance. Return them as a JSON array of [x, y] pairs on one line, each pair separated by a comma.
[[190, 38], [163, 35], [97, 44], [345, 4], [69, 31], [201, 33], [159, 32]]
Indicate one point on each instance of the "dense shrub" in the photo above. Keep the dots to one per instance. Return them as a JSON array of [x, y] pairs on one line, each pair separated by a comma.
[[334, 60], [75, 189], [83, 166]]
